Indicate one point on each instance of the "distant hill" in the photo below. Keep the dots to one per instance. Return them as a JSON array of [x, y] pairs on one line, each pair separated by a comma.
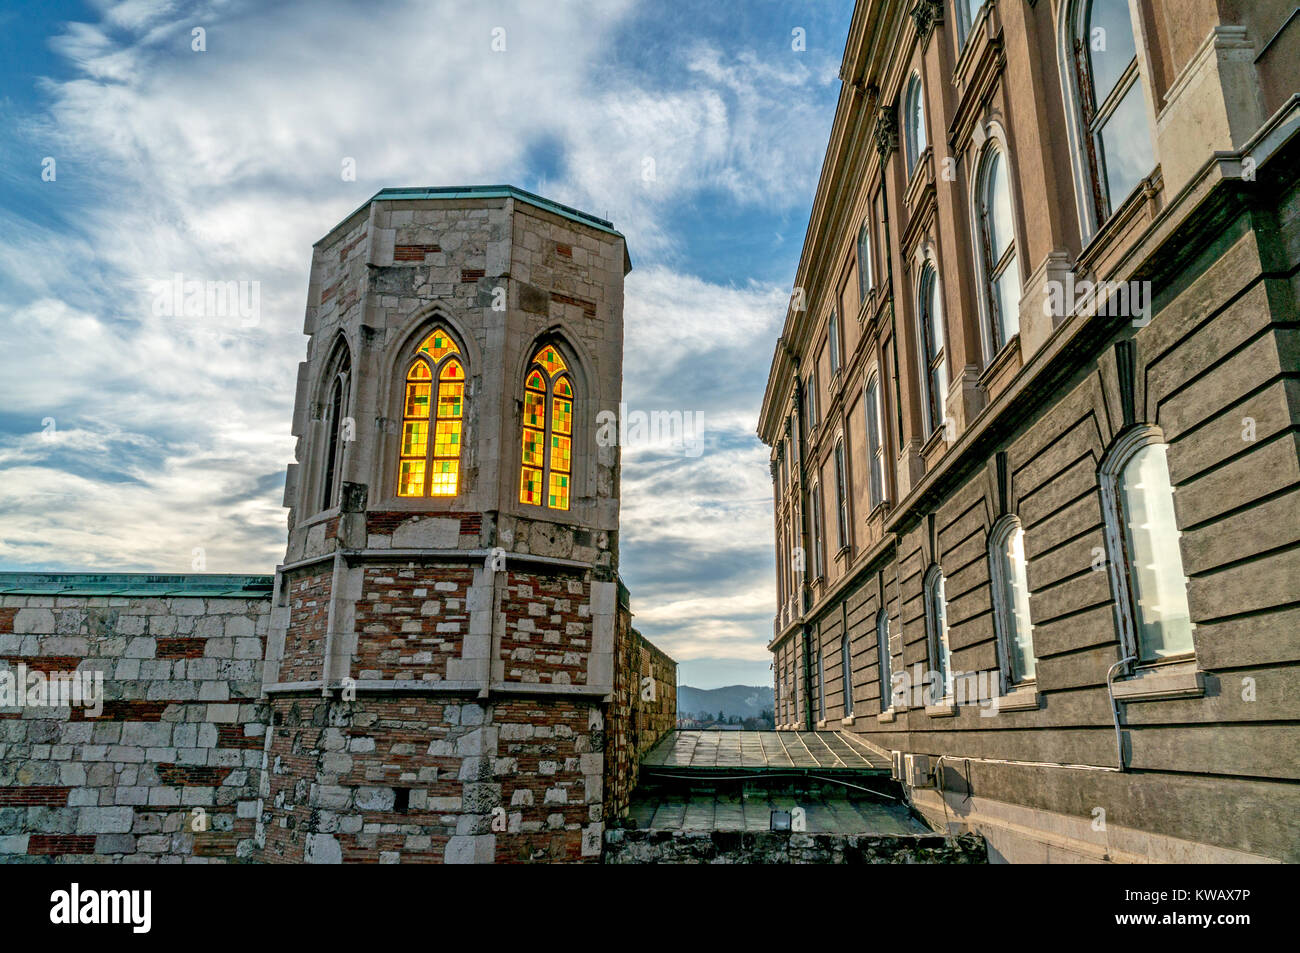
[[742, 701]]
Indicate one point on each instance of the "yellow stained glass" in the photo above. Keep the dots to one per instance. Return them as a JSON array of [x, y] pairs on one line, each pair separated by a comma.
[[446, 439], [550, 360], [438, 345], [534, 410], [410, 481], [536, 381], [417, 400], [452, 371], [415, 438], [562, 416], [563, 388], [561, 452], [532, 448], [559, 495], [419, 372], [530, 486], [450, 397], [443, 481]]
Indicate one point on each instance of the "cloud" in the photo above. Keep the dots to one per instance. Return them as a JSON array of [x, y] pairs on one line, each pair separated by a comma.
[[172, 434]]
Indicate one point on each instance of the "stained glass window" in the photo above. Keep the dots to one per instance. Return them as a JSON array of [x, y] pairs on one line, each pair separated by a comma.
[[546, 462], [424, 468]]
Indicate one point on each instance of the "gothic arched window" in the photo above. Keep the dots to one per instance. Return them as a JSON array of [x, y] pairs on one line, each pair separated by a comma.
[[337, 427], [432, 468], [547, 462]]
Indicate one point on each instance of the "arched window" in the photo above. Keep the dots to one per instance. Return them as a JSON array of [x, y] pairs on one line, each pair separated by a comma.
[[882, 651], [432, 467], [337, 426], [815, 528], [547, 462], [821, 683], [1145, 559], [1010, 581], [914, 122], [934, 362], [1116, 131], [936, 626], [999, 267], [841, 497], [864, 261], [833, 340], [875, 443], [846, 661]]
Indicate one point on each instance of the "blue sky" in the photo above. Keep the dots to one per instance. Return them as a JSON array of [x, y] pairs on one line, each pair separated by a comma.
[[130, 441]]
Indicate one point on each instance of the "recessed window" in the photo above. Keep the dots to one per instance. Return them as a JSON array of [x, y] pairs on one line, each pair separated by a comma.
[[1010, 581], [816, 528], [336, 424], [1112, 101], [936, 623], [864, 261], [914, 123], [547, 462], [821, 686], [841, 497], [882, 651], [810, 393], [429, 462], [833, 336], [846, 661], [875, 444], [997, 249], [968, 12], [1146, 561], [935, 369]]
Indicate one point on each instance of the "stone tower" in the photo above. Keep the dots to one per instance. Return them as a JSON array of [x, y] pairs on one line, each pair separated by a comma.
[[441, 659]]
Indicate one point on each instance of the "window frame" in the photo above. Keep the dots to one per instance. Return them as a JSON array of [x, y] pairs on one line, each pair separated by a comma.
[[819, 558], [843, 536], [938, 646], [1003, 599], [915, 138], [1127, 598], [875, 441], [884, 662], [833, 341], [566, 372], [866, 274], [434, 367], [933, 360], [1084, 119], [966, 18], [846, 664], [992, 321]]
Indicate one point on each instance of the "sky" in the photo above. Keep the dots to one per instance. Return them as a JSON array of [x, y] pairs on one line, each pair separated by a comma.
[[133, 441]]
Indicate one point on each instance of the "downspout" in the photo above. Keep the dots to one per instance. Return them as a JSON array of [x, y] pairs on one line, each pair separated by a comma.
[[1114, 708]]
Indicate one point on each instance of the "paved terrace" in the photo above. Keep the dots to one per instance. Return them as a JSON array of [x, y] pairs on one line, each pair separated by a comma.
[[763, 751]]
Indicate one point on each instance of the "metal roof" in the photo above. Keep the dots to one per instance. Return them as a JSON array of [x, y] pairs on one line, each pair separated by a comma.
[[760, 751], [208, 585]]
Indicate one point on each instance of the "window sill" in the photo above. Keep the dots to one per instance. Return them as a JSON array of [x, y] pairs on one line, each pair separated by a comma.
[[1179, 680], [849, 720], [945, 709], [1022, 698], [885, 717], [821, 724]]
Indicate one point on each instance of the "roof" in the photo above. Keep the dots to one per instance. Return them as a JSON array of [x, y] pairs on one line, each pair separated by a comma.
[[760, 751], [208, 585]]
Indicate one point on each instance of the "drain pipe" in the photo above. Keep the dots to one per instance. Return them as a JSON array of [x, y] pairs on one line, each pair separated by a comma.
[[1114, 708]]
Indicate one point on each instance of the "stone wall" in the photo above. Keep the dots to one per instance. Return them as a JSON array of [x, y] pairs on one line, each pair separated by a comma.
[[640, 712], [169, 770], [784, 847]]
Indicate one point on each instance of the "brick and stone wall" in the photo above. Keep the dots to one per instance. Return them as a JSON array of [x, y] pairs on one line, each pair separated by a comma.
[[642, 710], [169, 770], [784, 847]]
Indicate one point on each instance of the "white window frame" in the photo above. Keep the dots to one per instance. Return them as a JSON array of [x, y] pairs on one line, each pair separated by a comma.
[[884, 662], [1110, 474], [865, 274], [1003, 598], [933, 402], [938, 648]]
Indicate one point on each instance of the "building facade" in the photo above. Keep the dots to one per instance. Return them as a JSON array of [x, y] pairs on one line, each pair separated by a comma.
[[444, 667], [1033, 418]]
